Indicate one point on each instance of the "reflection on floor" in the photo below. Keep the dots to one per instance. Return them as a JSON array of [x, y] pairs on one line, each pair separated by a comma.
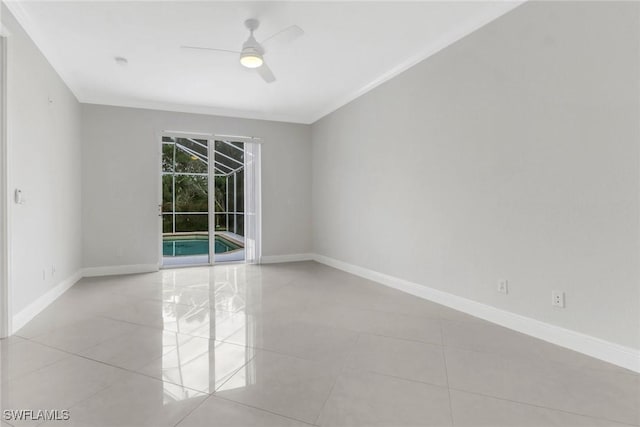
[[292, 345]]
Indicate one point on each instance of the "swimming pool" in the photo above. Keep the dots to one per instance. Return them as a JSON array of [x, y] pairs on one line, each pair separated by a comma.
[[196, 246]]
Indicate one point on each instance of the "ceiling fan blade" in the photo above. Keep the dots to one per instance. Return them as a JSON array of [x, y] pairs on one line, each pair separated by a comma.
[[210, 49], [285, 36], [266, 73]]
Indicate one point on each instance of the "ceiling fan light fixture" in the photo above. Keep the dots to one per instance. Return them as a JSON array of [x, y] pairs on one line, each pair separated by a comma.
[[252, 52], [251, 58]]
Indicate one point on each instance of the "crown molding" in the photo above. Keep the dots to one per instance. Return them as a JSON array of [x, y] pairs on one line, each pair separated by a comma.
[[466, 28], [194, 109]]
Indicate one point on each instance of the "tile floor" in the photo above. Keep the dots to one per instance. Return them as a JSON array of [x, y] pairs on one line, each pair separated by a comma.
[[292, 345]]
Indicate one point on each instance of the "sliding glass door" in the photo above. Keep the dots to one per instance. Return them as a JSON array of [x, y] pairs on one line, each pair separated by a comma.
[[185, 201], [229, 163], [210, 201]]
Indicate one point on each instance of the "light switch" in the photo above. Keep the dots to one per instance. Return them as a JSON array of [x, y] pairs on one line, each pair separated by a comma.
[[19, 197]]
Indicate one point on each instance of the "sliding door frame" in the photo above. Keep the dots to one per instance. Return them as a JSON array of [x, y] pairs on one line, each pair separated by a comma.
[[211, 138], [194, 135], [257, 190], [211, 199]]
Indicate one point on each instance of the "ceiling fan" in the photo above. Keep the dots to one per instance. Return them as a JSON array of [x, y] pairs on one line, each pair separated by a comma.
[[252, 53]]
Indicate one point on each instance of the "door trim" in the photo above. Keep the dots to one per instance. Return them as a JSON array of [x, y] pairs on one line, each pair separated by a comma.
[[6, 312], [211, 202]]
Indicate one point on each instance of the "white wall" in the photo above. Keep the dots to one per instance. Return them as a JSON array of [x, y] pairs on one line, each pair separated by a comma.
[[513, 154], [44, 157], [121, 179]]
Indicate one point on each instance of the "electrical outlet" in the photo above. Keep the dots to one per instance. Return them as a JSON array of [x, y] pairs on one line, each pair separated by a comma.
[[557, 299], [53, 270], [503, 286]]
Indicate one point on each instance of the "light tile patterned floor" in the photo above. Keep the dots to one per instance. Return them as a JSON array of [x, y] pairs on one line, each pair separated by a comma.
[[292, 345]]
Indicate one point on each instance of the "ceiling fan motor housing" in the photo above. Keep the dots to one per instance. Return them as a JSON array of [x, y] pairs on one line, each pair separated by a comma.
[[251, 55]]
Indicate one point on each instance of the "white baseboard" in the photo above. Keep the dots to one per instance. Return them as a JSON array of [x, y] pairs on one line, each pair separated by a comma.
[[114, 270], [273, 259], [32, 310], [598, 348]]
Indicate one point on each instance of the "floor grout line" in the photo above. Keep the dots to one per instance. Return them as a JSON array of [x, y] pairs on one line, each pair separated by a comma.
[[512, 354], [47, 364], [446, 375], [542, 407], [85, 399], [341, 369], [232, 375], [193, 410], [216, 396], [448, 387], [120, 368], [345, 361], [402, 339], [224, 340], [410, 380]]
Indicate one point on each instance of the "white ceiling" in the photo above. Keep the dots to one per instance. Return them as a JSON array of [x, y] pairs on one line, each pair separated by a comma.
[[347, 49]]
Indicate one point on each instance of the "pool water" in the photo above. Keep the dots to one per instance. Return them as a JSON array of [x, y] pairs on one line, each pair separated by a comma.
[[181, 247]]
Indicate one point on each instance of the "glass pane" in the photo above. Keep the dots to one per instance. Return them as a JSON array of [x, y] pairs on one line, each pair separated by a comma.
[[230, 191], [221, 194], [192, 223], [167, 223], [231, 224], [240, 191], [167, 157], [224, 244], [240, 224], [167, 193], [223, 147], [192, 193], [229, 154], [185, 192], [221, 222], [229, 158], [185, 246], [191, 155]]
